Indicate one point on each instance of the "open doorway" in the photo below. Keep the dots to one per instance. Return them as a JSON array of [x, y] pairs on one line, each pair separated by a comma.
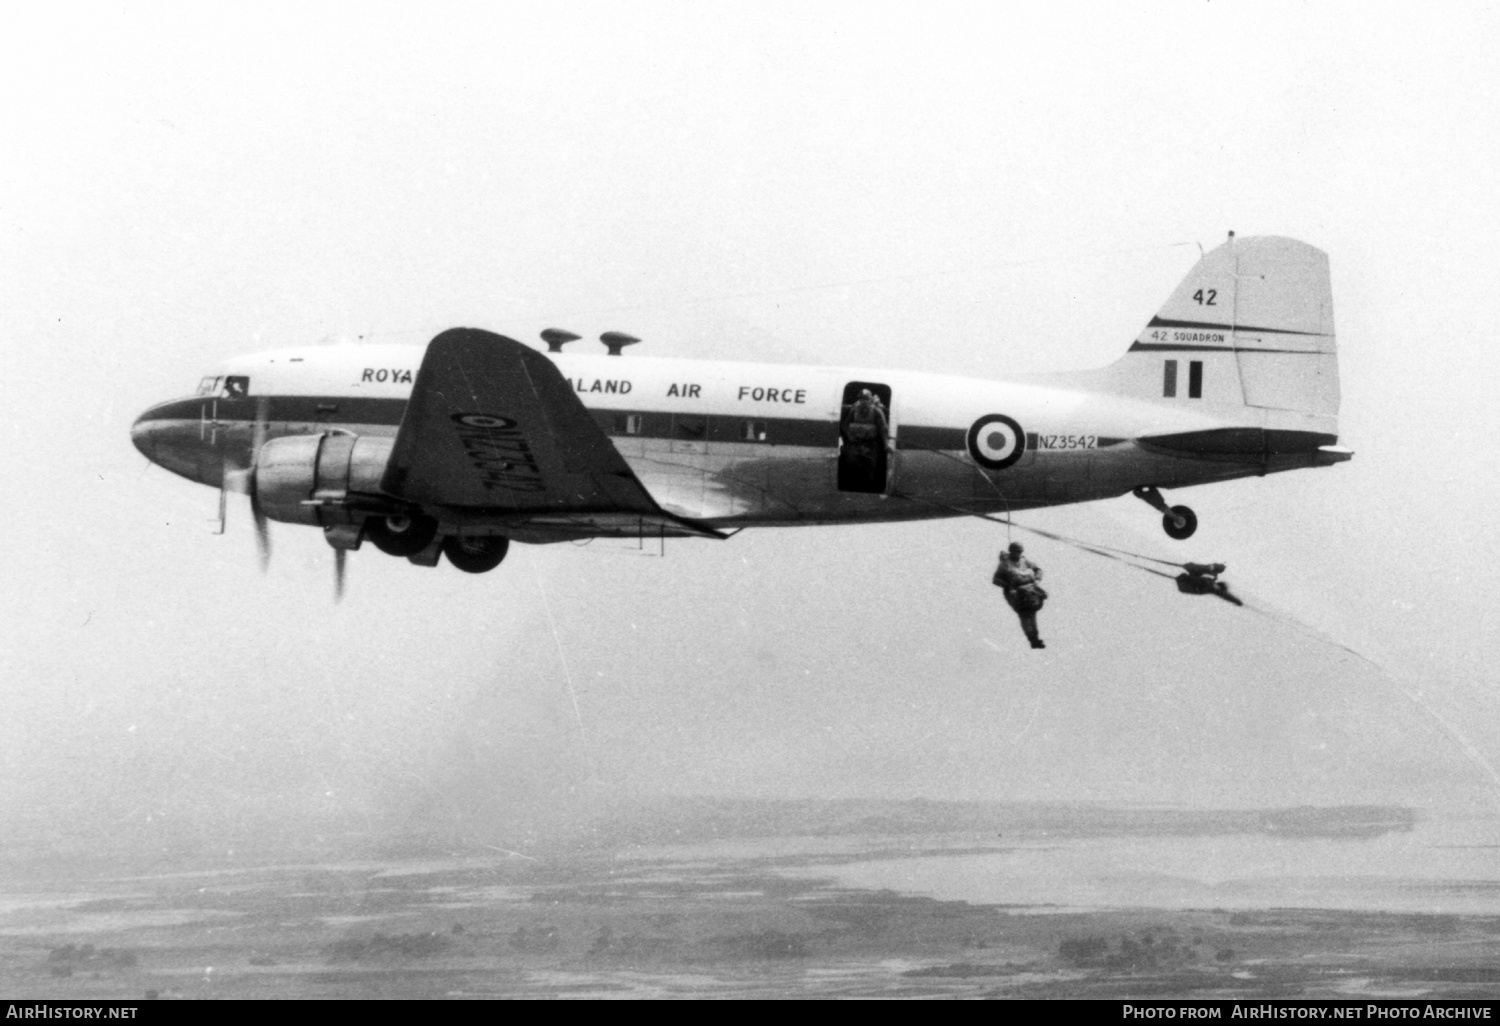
[[865, 433]]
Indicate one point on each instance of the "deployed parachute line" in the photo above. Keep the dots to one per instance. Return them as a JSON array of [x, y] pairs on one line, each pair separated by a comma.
[[1196, 570], [1099, 550], [1193, 578], [967, 512], [1118, 555], [1414, 696]]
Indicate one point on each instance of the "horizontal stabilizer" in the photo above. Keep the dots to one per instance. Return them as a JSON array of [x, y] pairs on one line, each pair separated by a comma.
[[1238, 445], [1331, 454]]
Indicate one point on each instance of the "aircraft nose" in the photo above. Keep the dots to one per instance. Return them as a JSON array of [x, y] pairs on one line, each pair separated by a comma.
[[174, 435], [142, 435]]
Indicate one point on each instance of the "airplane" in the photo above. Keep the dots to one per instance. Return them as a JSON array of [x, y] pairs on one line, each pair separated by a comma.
[[476, 441]]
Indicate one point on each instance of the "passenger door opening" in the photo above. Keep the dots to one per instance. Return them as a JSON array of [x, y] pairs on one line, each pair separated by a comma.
[[865, 433]]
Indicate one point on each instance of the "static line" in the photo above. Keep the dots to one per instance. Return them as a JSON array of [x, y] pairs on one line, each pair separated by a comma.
[[583, 741], [968, 513], [1467, 747]]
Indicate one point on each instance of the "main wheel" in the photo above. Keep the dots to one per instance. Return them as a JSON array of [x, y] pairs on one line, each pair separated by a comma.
[[401, 535], [476, 554], [1189, 522]]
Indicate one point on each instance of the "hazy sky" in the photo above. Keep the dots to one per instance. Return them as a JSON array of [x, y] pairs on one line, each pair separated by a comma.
[[972, 189]]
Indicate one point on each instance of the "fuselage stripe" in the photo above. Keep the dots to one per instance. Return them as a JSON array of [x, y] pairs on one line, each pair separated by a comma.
[[319, 412]]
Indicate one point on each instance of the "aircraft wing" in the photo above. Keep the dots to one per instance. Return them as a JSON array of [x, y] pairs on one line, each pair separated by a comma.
[[493, 428]]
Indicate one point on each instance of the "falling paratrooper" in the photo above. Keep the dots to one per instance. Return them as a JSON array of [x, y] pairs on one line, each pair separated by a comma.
[[1203, 579]]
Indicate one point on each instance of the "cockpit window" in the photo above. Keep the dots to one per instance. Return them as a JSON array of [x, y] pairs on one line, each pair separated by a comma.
[[231, 387]]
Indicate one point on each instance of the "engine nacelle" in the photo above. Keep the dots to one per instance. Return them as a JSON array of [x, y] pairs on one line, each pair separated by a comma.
[[305, 479]]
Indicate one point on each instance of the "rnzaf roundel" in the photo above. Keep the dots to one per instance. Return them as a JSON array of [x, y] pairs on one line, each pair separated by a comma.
[[996, 441]]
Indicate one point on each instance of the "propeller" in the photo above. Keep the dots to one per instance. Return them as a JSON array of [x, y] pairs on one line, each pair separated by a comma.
[[262, 526], [342, 537], [242, 480]]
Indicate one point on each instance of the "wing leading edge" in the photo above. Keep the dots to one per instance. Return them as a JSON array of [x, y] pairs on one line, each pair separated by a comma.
[[493, 427]]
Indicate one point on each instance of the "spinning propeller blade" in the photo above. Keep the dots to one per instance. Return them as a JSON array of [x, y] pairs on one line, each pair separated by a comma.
[[262, 527], [262, 532], [241, 479]]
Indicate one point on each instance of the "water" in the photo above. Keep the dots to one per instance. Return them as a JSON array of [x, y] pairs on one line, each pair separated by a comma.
[[1447, 866], [1064, 902]]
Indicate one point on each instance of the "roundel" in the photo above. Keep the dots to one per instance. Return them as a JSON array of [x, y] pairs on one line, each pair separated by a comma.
[[996, 441], [484, 420]]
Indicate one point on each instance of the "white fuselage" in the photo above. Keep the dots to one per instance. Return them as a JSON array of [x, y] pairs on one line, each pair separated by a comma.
[[738, 444]]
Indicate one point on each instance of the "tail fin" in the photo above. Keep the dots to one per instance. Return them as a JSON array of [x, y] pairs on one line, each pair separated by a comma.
[[1250, 326]]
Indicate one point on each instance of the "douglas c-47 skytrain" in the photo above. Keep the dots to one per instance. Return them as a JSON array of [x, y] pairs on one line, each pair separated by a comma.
[[459, 448]]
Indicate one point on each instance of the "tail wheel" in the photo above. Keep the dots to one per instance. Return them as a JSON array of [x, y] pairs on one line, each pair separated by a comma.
[[401, 535], [476, 554], [1179, 522]]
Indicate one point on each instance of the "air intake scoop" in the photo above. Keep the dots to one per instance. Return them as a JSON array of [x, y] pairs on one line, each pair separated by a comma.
[[617, 340], [556, 338]]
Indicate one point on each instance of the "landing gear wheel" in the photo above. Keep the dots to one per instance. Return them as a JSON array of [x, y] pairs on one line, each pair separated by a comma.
[[401, 535], [476, 554], [1188, 522]]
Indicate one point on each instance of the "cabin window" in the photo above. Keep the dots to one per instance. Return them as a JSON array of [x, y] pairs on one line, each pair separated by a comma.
[[689, 426], [753, 431], [1169, 379], [1195, 379], [628, 423]]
